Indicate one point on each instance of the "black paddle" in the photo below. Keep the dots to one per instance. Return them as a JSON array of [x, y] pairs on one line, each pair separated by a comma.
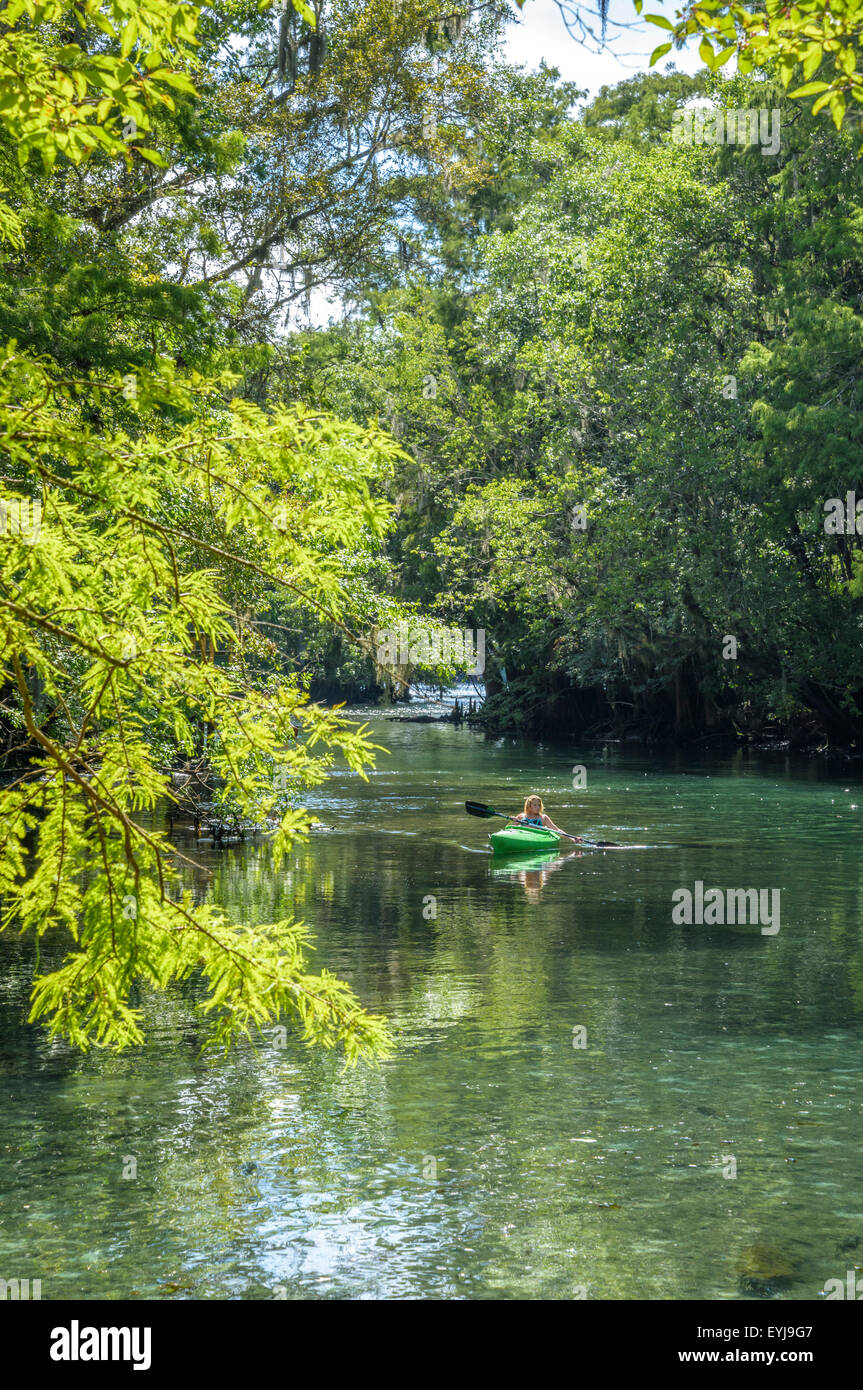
[[477, 808]]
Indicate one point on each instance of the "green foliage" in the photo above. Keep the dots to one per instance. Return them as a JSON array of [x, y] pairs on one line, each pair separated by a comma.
[[664, 337], [119, 643], [641, 108], [158, 514], [62, 93], [815, 39]]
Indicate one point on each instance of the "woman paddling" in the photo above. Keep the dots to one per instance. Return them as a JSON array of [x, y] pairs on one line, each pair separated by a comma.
[[534, 814]]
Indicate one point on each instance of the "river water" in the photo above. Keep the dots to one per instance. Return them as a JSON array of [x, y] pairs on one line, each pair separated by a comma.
[[587, 1099]]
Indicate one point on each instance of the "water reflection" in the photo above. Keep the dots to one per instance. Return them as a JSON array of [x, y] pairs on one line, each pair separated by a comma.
[[532, 871], [490, 1157]]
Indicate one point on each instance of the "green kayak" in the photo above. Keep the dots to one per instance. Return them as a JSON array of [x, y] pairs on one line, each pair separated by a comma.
[[523, 839]]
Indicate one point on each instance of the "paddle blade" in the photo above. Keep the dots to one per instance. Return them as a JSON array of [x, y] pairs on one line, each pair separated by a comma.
[[476, 808]]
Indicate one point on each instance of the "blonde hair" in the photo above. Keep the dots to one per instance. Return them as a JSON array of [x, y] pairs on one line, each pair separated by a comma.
[[533, 797]]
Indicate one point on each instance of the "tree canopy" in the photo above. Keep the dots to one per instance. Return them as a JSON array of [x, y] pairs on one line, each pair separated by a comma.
[[165, 512]]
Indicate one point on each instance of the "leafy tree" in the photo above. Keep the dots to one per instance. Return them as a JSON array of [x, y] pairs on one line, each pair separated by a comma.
[[633, 343], [147, 515], [299, 163], [641, 108], [65, 92], [119, 646], [818, 39]]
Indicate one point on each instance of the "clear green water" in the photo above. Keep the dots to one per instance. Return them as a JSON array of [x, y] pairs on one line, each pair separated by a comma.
[[489, 1158]]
